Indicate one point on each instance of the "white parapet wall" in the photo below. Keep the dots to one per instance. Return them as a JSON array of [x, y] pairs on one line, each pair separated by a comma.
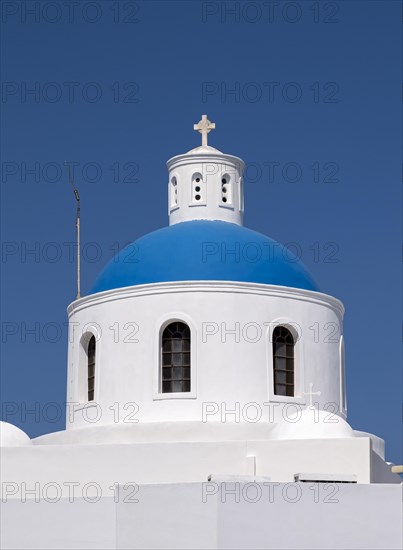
[[212, 515], [142, 463]]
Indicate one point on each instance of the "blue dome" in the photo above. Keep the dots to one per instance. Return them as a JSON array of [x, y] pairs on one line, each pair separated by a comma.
[[204, 251]]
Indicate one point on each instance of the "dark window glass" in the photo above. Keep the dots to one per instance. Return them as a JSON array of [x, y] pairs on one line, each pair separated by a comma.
[[283, 361], [175, 361], [91, 368]]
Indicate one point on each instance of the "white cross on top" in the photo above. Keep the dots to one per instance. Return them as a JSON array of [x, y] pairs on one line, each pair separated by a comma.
[[311, 394], [204, 126]]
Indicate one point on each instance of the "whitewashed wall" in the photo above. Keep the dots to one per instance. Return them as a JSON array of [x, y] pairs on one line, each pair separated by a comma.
[[231, 326], [176, 516]]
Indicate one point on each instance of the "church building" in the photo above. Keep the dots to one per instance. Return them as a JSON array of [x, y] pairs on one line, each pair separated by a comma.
[[201, 411]]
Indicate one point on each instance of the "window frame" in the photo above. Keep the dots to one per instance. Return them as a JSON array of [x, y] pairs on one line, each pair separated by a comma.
[[81, 386], [91, 367], [289, 359], [184, 354], [299, 371], [162, 323]]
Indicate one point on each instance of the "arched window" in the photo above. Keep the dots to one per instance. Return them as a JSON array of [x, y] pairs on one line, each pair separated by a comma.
[[283, 361], [175, 358], [91, 367]]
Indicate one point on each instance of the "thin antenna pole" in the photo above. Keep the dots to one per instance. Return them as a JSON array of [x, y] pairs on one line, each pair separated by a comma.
[[77, 196]]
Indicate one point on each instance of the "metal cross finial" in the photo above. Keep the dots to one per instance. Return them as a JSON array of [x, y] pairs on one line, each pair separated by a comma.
[[311, 394], [204, 126]]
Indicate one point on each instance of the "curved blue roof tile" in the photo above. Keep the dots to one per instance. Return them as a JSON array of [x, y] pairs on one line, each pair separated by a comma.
[[204, 251]]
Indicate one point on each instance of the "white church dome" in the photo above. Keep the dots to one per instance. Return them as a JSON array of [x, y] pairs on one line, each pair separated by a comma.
[[311, 423], [205, 200], [11, 436]]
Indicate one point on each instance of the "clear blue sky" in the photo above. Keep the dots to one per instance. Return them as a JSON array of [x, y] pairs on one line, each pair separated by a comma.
[[307, 93]]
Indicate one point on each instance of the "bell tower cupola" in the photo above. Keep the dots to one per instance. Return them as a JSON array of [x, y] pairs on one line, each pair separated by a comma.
[[205, 184]]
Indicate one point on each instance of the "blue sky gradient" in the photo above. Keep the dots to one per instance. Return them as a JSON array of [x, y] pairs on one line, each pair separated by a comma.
[[307, 93]]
